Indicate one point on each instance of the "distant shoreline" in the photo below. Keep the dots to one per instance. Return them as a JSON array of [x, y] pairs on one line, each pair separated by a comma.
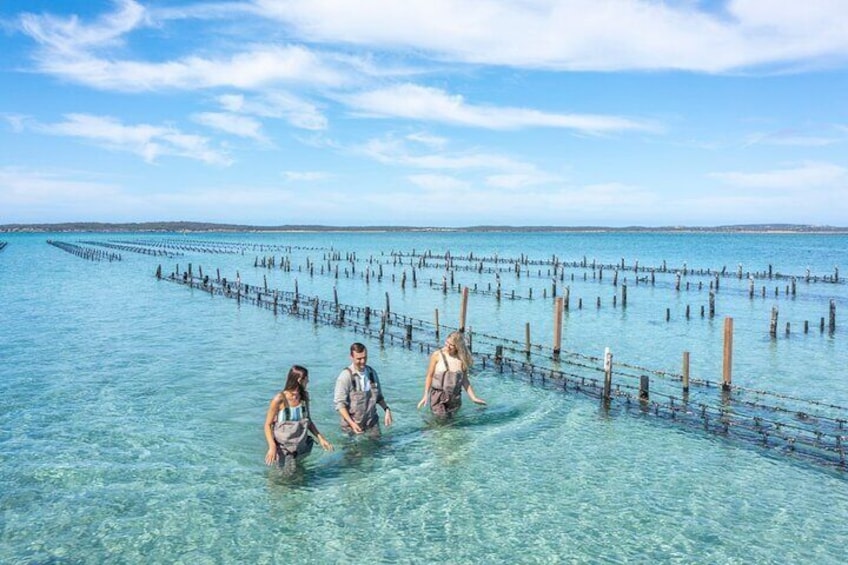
[[208, 227]]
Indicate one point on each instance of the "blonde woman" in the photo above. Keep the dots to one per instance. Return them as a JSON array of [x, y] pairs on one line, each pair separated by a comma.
[[447, 375]]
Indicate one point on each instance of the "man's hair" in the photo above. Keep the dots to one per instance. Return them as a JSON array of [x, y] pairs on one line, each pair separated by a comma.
[[357, 347]]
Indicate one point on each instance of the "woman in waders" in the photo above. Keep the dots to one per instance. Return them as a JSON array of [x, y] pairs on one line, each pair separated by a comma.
[[288, 421], [447, 375]]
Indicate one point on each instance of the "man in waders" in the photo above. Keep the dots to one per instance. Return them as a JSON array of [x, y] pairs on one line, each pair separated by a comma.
[[357, 395]]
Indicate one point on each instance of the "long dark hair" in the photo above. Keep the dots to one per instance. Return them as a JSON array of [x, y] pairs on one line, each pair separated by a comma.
[[293, 381]]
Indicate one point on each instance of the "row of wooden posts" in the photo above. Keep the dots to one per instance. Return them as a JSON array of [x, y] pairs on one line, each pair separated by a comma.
[[741, 419], [82, 252]]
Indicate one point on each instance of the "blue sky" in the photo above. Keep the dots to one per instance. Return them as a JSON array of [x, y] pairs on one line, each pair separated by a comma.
[[425, 112]]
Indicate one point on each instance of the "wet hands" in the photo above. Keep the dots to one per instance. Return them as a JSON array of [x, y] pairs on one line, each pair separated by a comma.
[[271, 456]]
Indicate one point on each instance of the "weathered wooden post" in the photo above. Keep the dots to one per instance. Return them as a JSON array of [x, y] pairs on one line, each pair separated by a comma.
[[387, 303], [557, 327], [832, 318], [644, 385], [607, 374], [685, 374], [463, 309], [383, 320], [437, 325], [773, 323], [728, 354], [527, 339]]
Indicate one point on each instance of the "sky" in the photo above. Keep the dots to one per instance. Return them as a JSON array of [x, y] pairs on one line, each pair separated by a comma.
[[425, 112]]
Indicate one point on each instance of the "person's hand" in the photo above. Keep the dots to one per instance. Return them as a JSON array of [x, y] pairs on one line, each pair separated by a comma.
[[388, 418], [271, 456], [355, 428], [325, 445], [476, 400], [423, 402]]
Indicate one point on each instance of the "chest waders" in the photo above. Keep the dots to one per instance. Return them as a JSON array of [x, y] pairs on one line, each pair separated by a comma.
[[362, 404], [292, 437], [446, 390]]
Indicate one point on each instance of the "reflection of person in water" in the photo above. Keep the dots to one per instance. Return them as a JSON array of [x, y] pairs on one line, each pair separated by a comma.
[[447, 375], [288, 421]]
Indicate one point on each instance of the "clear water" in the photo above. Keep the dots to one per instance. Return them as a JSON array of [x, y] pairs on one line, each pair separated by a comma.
[[132, 410]]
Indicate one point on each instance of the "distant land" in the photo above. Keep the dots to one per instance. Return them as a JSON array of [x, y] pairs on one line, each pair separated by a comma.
[[232, 228]]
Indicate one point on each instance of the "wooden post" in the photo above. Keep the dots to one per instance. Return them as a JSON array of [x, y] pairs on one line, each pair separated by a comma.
[[527, 339], [387, 303], [607, 374], [832, 323], [644, 385], [773, 323], [463, 309], [557, 326], [367, 315], [728, 354], [624, 293], [437, 325], [685, 373], [383, 320]]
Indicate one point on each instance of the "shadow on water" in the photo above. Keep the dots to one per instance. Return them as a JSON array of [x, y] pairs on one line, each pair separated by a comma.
[[363, 454]]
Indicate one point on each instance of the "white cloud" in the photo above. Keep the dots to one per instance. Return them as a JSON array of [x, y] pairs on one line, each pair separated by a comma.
[[297, 112], [804, 176], [394, 151], [581, 34], [790, 138], [16, 121], [24, 188], [306, 176], [431, 104], [148, 141], [438, 183], [234, 124], [69, 36], [520, 180], [434, 141], [257, 68]]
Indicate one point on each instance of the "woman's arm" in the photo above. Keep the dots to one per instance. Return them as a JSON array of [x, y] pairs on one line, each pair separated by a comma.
[[273, 409], [325, 445], [470, 390], [428, 379]]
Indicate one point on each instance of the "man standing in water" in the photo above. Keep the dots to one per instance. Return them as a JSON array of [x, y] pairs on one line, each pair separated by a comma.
[[357, 395]]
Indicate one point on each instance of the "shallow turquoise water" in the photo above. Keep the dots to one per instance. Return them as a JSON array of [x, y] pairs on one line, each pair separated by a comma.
[[132, 411]]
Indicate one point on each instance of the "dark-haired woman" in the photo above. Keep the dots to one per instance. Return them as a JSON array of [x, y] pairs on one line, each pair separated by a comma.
[[288, 421]]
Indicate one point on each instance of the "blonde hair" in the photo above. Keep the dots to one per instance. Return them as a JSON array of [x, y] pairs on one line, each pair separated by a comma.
[[458, 339]]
